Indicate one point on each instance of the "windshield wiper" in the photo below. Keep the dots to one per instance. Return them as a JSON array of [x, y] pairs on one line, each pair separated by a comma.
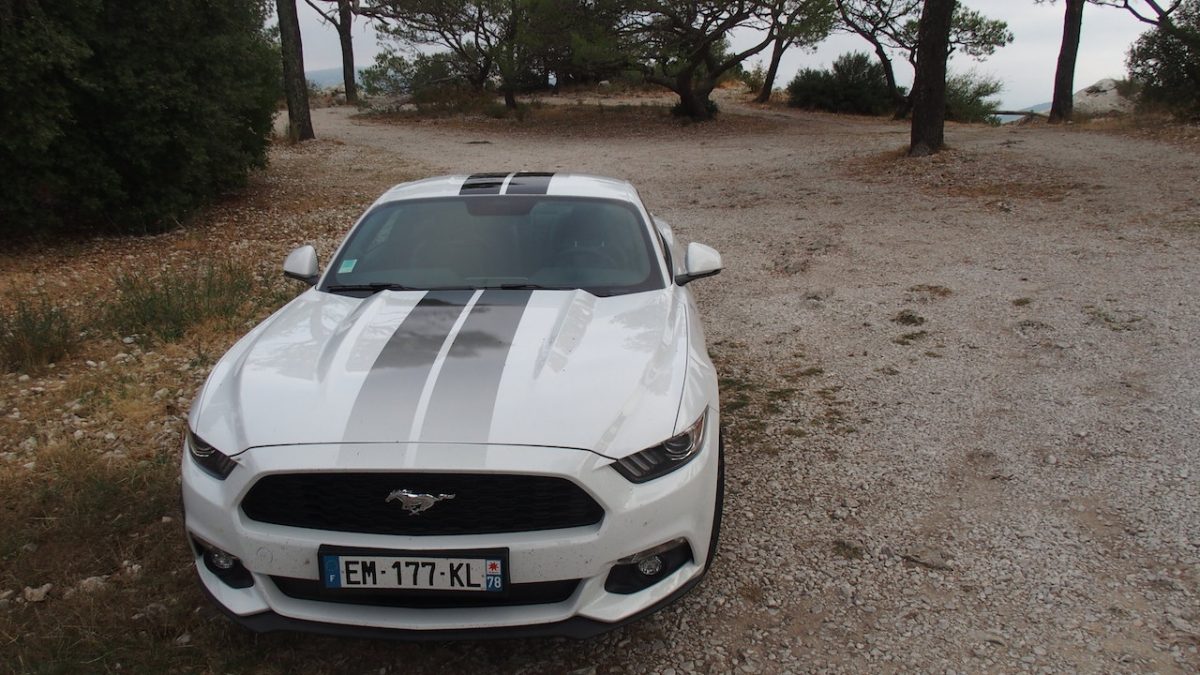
[[532, 287], [371, 288]]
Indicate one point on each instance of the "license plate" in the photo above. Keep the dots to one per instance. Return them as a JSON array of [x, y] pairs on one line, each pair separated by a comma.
[[452, 571]]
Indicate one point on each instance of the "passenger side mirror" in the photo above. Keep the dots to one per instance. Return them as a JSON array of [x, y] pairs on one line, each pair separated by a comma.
[[701, 261], [301, 264]]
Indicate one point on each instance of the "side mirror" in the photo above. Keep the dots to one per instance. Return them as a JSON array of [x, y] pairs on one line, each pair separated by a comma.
[[701, 261], [301, 264]]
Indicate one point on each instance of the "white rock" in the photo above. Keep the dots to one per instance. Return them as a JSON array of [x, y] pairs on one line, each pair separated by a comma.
[[92, 584], [36, 594]]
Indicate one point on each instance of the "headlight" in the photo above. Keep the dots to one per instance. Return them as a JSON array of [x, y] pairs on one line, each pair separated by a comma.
[[214, 462], [666, 456]]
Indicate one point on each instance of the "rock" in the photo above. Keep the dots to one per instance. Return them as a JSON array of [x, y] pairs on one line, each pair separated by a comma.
[[36, 594], [1102, 98], [92, 584]]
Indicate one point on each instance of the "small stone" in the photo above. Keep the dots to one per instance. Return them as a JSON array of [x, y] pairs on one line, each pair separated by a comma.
[[92, 584], [36, 594], [161, 394], [23, 378], [167, 519], [184, 639], [1051, 460], [29, 444], [127, 340], [110, 436]]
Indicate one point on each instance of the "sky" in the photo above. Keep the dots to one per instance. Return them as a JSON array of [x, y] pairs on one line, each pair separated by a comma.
[[1025, 67]]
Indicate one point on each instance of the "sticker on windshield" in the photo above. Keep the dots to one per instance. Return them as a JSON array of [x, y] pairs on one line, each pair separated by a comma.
[[347, 266]]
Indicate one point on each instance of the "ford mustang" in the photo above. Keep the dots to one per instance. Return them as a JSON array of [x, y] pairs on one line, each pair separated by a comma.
[[492, 414]]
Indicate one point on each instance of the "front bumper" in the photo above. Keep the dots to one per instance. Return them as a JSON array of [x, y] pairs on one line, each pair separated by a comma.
[[637, 517]]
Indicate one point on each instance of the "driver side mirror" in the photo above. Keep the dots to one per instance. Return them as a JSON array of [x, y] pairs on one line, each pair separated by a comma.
[[701, 261], [301, 264]]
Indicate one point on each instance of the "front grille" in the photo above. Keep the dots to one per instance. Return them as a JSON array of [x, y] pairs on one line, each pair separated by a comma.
[[482, 503], [540, 593]]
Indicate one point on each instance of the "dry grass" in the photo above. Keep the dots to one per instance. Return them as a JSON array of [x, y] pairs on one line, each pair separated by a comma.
[[648, 117], [90, 446], [998, 177]]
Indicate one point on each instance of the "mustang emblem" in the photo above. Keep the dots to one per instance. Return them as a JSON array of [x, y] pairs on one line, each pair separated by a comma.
[[415, 502]]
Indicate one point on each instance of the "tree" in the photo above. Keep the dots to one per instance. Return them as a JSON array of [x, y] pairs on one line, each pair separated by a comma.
[[795, 22], [1064, 75], [1166, 67], [929, 83], [484, 35], [341, 15], [125, 115], [1162, 16], [683, 44], [891, 25], [295, 85]]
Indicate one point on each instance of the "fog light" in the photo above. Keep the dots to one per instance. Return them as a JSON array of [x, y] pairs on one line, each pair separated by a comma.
[[651, 566], [221, 560]]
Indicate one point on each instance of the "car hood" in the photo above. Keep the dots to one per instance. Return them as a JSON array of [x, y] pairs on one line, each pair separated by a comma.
[[547, 368]]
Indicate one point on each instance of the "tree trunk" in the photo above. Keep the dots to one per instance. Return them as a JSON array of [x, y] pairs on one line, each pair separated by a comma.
[[1064, 77], [694, 102], [510, 99], [899, 101], [345, 25], [295, 86], [777, 51], [929, 85]]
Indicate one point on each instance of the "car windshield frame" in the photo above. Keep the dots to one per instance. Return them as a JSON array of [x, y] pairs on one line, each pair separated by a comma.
[[655, 278]]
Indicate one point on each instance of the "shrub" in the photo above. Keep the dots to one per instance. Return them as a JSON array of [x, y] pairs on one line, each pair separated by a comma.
[[167, 305], [755, 78], [36, 332], [127, 114], [1166, 67], [969, 98], [855, 84]]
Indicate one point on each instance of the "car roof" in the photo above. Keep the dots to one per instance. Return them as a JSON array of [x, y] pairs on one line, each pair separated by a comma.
[[514, 183]]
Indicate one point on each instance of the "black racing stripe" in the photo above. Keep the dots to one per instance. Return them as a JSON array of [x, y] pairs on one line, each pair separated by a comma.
[[464, 397], [387, 401], [529, 183], [483, 184]]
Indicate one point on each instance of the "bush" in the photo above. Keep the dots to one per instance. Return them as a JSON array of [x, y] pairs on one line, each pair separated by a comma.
[[165, 306], [1167, 68], [36, 332], [127, 114], [969, 98], [755, 78], [856, 84]]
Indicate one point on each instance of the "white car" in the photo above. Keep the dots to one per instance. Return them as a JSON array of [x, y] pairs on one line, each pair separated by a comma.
[[493, 415]]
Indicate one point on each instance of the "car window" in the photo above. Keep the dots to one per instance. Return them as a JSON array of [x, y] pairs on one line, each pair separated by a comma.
[[598, 245]]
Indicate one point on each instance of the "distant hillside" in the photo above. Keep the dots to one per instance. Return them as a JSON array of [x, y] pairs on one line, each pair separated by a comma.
[[327, 77], [1040, 108]]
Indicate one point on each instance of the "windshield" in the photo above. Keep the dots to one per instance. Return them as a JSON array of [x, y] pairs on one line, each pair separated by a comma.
[[601, 246]]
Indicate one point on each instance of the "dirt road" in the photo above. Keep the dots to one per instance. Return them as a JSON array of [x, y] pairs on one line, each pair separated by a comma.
[[963, 389], [961, 393]]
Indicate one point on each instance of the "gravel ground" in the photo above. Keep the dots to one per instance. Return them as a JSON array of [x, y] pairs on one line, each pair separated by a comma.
[[963, 413], [967, 409]]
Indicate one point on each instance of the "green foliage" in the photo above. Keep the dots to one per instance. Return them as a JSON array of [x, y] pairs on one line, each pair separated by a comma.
[[755, 78], [36, 332], [856, 84], [165, 306], [127, 114], [1166, 64], [969, 98]]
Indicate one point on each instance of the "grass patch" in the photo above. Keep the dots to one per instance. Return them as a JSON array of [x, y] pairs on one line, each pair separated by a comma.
[[1022, 302], [926, 292], [908, 318], [847, 550], [35, 333], [165, 306], [909, 338]]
